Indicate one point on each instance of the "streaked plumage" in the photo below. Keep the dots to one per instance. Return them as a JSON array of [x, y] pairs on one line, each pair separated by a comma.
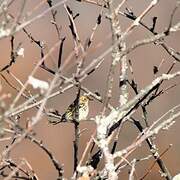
[[69, 115]]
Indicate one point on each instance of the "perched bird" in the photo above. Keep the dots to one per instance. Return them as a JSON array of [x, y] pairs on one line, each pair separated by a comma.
[[70, 113]]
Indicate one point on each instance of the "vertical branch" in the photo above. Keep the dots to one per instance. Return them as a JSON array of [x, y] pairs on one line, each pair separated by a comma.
[[73, 28], [123, 79], [116, 52], [53, 13], [76, 143], [60, 52], [90, 39], [116, 55], [76, 130]]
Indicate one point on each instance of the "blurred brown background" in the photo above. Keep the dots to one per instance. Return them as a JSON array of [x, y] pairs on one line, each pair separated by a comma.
[[59, 138]]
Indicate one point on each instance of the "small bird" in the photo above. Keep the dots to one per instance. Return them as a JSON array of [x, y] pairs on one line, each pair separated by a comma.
[[69, 114]]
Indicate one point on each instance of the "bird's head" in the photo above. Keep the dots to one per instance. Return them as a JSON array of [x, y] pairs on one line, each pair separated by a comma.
[[84, 99]]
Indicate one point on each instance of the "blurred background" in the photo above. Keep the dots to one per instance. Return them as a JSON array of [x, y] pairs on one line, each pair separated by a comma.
[[59, 138]]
